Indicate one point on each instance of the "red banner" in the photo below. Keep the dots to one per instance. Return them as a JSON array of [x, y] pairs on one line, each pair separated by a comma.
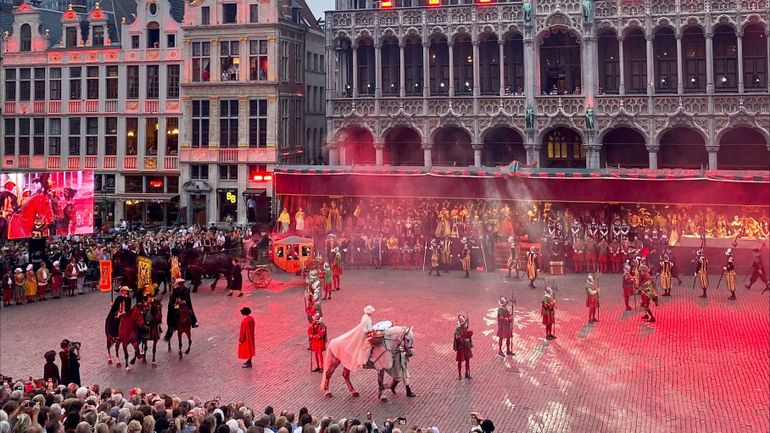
[[105, 275]]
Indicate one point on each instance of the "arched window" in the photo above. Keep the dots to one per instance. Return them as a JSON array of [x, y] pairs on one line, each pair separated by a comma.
[[26, 37]]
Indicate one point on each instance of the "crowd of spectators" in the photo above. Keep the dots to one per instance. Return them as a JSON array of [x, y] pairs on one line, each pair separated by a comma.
[[44, 407]]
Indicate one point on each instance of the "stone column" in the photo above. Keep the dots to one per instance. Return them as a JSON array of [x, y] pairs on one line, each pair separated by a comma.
[[213, 122], [500, 57], [378, 153], [427, 151], [650, 65], [334, 158], [621, 60], [425, 70], [529, 71], [378, 71], [533, 150], [354, 84], [216, 68], [589, 69], [679, 65], [401, 70], [477, 148], [653, 154], [710, 63], [712, 150], [451, 45], [739, 35], [476, 69]]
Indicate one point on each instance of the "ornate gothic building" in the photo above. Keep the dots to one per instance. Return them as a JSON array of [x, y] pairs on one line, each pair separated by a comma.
[[556, 83]]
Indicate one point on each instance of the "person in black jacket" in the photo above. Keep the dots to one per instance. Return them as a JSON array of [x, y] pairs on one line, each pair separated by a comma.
[[51, 370], [235, 279]]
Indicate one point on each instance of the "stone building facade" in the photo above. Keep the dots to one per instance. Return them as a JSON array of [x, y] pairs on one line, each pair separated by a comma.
[[97, 89], [554, 83], [244, 103]]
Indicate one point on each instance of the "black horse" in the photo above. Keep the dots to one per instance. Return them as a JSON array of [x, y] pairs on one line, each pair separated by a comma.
[[124, 262], [197, 265]]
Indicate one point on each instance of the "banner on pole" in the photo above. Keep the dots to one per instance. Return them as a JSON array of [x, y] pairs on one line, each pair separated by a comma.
[[105, 275], [144, 265]]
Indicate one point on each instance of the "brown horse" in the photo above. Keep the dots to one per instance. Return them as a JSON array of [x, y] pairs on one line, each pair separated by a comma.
[[153, 317], [128, 333], [183, 326]]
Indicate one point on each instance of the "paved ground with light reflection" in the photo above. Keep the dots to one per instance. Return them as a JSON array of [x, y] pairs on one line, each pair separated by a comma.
[[702, 367]]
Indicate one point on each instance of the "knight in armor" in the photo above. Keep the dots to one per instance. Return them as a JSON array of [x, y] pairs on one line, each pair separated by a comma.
[[533, 266], [504, 327], [729, 273], [465, 257], [701, 271], [463, 346], [666, 274], [513, 256]]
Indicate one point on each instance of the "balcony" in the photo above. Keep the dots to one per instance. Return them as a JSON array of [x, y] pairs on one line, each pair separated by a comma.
[[23, 162], [110, 163], [38, 162], [38, 107], [54, 162], [129, 162], [92, 106], [171, 163], [151, 106], [111, 106], [54, 107], [9, 108], [74, 107], [264, 155], [73, 163], [228, 155], [90, 163]]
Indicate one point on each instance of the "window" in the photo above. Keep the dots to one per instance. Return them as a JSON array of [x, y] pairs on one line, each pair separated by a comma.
[[172, 184], [54, 136], [97, 39], [284, 73], [199, 172], [635, 58], [205, 15], [153, 35], [228, 172], [10, 137], [39, 84], [170, 40], [75, 82], [298, 69], [228, 123], [322, 63], [228, 203], [74, 137], [10, 84], [92, 137], [132, 75], [134, 183], [172, 136], [609, 64], [200, 123], [108, 185], [135, 42], [151, 136], [112, 82], [284, 105], [132, 132], [258, 123], [229, 13], [92, 82], [172, 81], [110, 135], [54, 84], [200, 59], [38, 141], [71, 37], [297, 122], [253, 13], [25, 84], [154, 184], [258, 60], [153, 81], [229, 60], [153, 9], [26, 38], [24, 133]]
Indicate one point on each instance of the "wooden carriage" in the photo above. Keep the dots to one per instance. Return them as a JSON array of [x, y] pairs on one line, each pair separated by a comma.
[[293, 253]]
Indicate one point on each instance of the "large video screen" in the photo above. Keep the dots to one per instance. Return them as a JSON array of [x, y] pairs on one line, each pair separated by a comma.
[[54, 203]]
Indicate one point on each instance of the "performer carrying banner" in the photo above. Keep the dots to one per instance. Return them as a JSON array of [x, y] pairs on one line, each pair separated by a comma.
[[729, 272], [465, 257]]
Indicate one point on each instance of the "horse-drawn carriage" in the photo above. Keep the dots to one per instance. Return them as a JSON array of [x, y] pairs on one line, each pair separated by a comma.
[[293, 253], [259, 269]]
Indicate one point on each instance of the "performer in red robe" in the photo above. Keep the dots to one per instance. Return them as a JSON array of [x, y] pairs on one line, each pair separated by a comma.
[[317, 335], [246, 342]]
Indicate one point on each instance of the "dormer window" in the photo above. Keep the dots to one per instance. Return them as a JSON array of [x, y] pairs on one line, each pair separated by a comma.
[[153, 9], [229, 13], [97, 38], [71, 37], [295, 15], [26, 38], [205, 15], [153, 35]]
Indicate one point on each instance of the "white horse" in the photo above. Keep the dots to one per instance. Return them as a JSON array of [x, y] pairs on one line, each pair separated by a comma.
[[390, 356]]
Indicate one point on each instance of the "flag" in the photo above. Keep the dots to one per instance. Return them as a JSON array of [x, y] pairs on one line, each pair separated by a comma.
[[144, 271], [105, 275]]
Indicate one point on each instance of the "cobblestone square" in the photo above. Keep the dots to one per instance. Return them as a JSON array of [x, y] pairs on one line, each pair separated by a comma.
[[703, 367]]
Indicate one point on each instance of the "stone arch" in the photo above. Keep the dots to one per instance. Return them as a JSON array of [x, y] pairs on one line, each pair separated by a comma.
[[562, 147], [682, 147], [743, 148], [452, 146], [560, 60], [725, 55], [625, 147], [357, 145], [402, 145], [502, 144]]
